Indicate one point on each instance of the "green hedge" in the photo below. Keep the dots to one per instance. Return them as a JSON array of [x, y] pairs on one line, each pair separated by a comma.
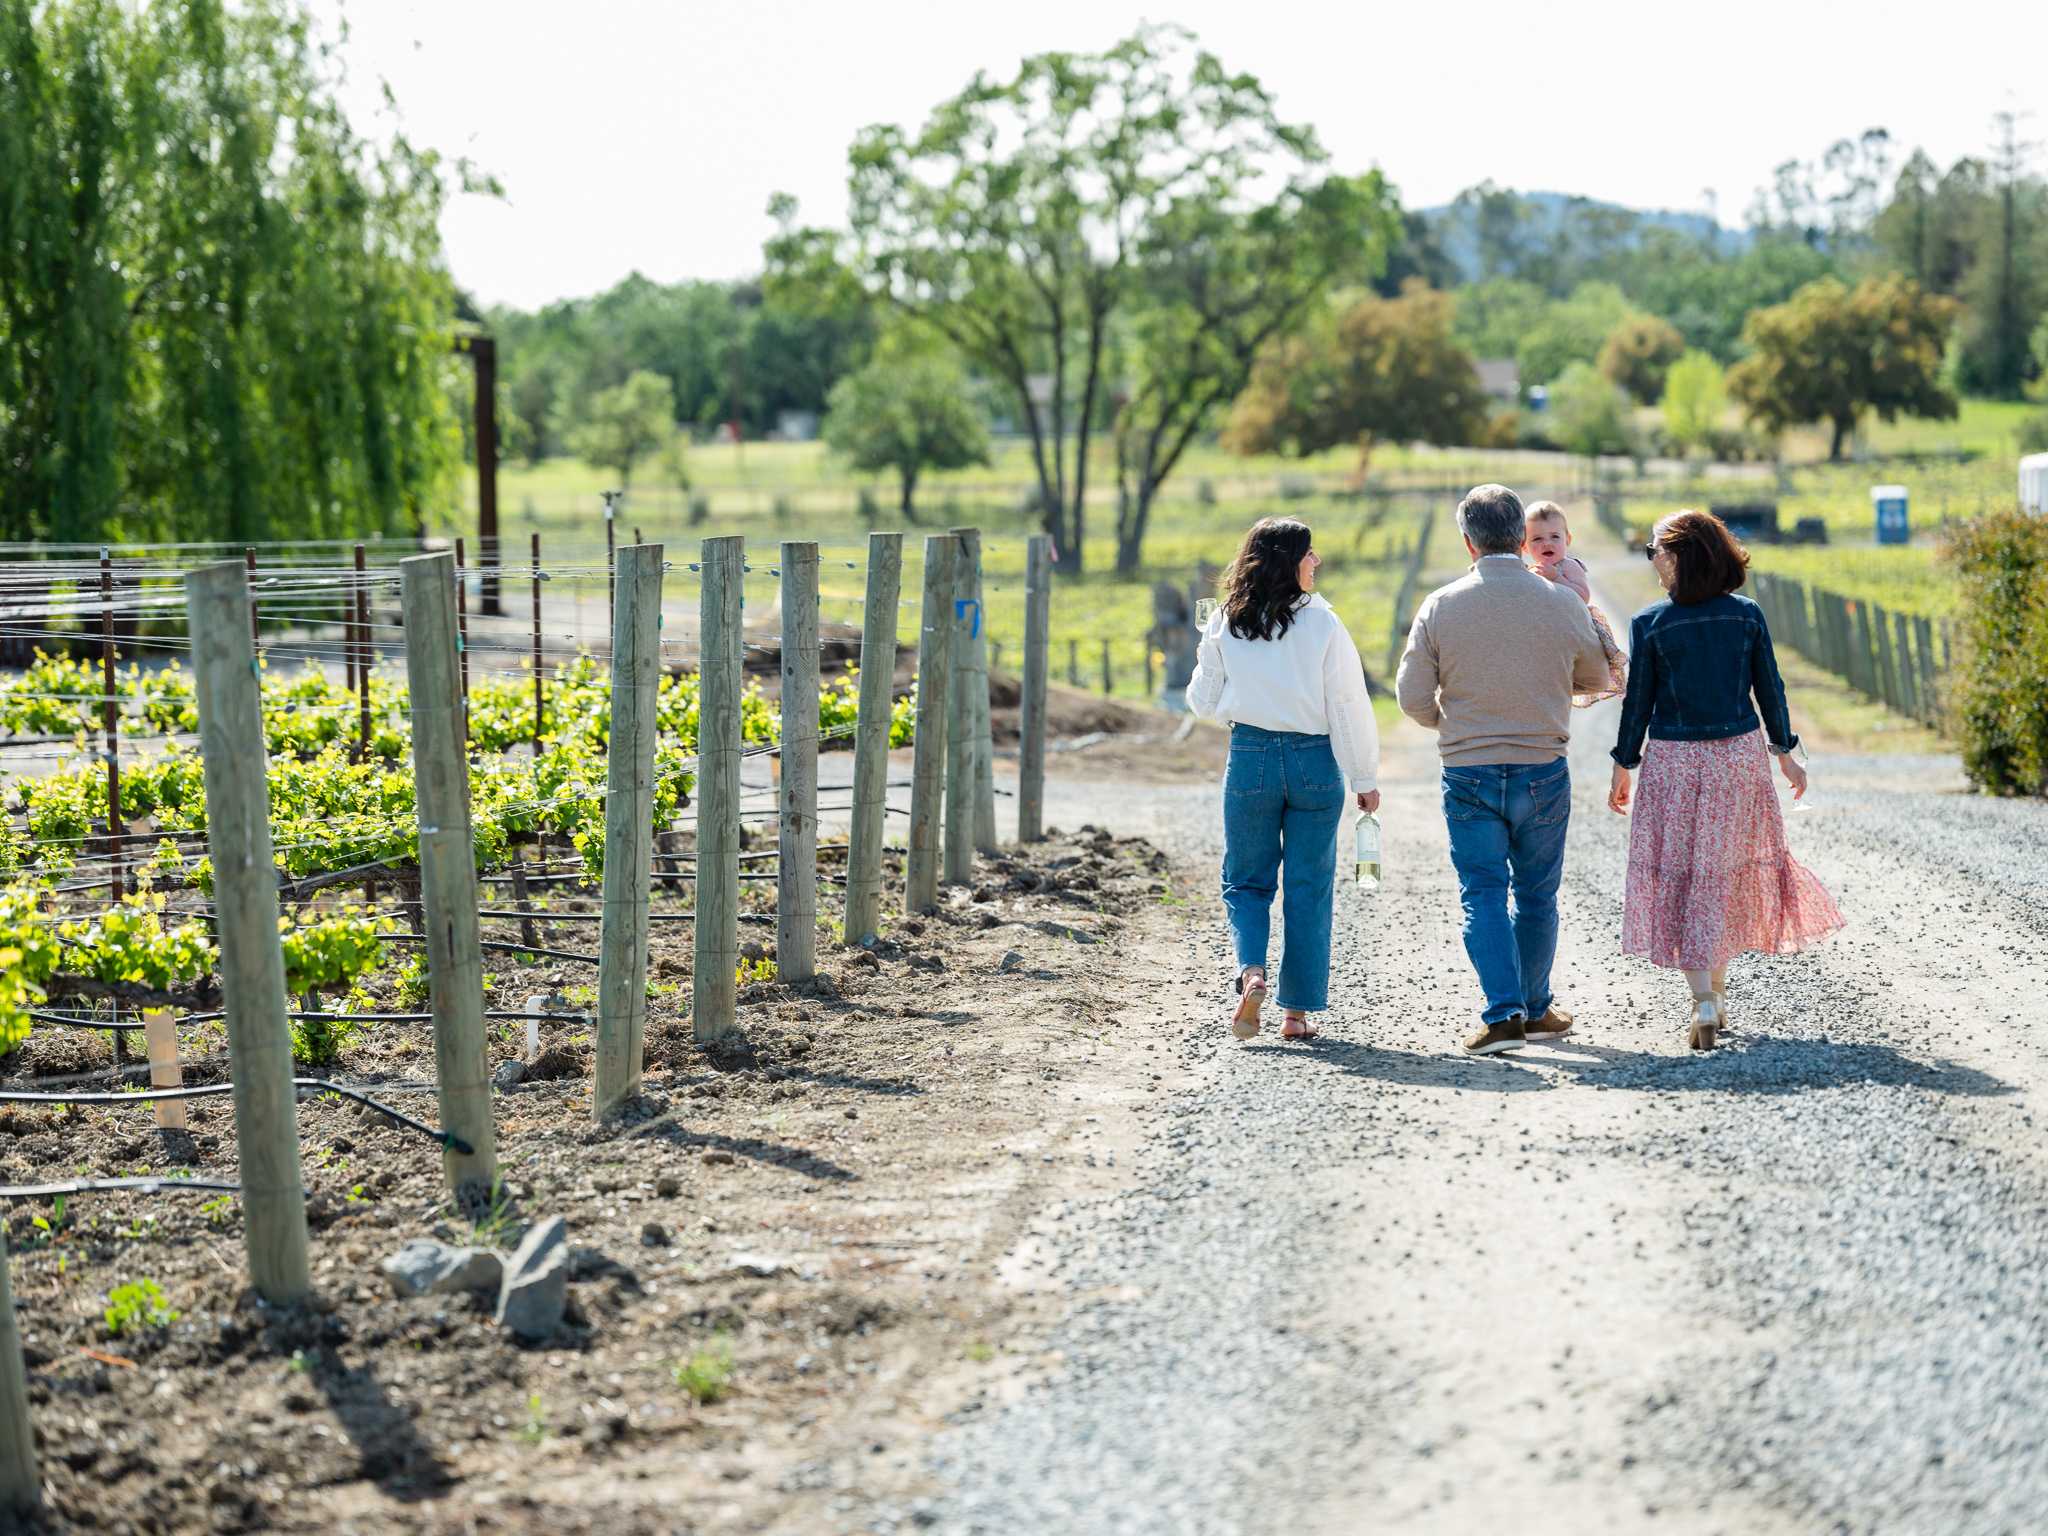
[[2000, 699]]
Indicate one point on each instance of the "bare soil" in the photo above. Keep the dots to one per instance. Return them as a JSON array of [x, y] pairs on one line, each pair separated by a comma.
[[823, 1206]]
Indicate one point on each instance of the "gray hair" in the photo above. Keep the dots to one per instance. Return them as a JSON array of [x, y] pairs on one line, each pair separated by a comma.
[[1491, 517]]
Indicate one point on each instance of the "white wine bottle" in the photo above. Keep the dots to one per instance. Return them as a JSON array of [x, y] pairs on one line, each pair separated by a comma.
[[1367, 832]]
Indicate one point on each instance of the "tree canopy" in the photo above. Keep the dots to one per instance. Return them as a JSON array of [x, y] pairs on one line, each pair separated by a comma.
[[624, 424], [906, 414], [1832, 353], [1030, 219], [1695, 395], [223, 315], [1367, 370], [1639, 352]]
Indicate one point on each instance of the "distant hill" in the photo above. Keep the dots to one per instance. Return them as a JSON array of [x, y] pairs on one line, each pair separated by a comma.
[[1562, 221]]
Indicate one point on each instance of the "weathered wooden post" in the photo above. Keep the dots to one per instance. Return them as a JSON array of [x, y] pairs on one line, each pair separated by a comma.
[[245, 904], [628, 825], [110, 720], [20, 1486], [447, 855], [928, 752], [721, 648], [959, 812], [538, 686], [796, 893], [977, 694], [366, 656], [1031, 712], [871, 738]]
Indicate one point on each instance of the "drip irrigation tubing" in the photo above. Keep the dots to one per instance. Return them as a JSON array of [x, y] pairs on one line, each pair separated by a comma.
[[447, 1139]]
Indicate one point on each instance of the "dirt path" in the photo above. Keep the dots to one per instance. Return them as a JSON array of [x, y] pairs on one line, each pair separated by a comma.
[[1371, 1285]]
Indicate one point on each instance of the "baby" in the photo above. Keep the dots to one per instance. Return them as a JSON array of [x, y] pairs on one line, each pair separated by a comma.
[[1547, 543]]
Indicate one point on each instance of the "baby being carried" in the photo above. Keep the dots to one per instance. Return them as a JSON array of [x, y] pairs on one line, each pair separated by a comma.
[[1546, 545]]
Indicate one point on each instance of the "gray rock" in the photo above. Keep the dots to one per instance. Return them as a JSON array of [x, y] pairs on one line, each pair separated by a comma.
[[1011, 961], [424, 1267], [510, 1074], [535, 1291], [757, 1266]]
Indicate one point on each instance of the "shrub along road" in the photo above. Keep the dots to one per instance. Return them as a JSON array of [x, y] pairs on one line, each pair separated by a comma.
[[1369, 1284]]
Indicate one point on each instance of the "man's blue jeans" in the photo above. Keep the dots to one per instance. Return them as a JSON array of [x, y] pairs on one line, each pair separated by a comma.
[[1507, 823], [1283, 796]]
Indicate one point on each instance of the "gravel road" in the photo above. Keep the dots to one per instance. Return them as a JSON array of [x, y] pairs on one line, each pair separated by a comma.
[[1369, 1284]]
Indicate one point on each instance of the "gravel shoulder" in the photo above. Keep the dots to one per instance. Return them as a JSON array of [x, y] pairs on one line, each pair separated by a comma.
[[1368, 1284]]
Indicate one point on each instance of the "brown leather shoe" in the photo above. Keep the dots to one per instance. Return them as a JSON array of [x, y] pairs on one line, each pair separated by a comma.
[[1507, 1035], [1554, 1025]]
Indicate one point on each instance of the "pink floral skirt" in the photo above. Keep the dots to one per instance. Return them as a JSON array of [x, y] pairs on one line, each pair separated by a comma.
[[1709, 875]]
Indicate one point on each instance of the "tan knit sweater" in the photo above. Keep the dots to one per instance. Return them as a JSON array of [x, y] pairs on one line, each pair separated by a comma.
[[1492, 662]]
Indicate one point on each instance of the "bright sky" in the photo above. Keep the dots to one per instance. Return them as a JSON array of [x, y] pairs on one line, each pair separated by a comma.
[[648, 134]]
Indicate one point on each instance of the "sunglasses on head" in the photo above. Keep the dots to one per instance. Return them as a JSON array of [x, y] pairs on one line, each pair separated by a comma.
[[1650, 550]]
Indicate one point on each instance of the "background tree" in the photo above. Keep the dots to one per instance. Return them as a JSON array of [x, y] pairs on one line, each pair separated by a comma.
[[624, 424], [1011, 223], [1212, 288], [2005, 291], [908, 415], [1572, 330], [1695, 397], [1367, 370], [1638, 353], [225, 315], [1589, 414], [1831, 353]]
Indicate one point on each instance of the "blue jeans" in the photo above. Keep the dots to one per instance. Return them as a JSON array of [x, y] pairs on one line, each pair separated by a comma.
[[1282, 798], [1507, 824]]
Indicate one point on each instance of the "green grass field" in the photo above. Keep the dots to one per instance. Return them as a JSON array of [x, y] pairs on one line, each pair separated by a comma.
[[768, 492]]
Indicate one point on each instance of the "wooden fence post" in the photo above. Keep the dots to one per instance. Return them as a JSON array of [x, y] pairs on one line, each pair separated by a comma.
[[628, 826], [959, 811], [796, 892], [245, 904], [721, 649], [1073, 663], [1930, 693], [871, 738], [110, 719], [977, 692], [538, 686], [447, 855], [160, 1038], [366, 654], [20, 1485], [928, 753], [1108, 683], [1031, 706]]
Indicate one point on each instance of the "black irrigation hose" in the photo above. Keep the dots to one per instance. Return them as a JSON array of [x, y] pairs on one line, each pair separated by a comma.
[[149, 1185], [447, 1139], [523, 949], [72, 1021]]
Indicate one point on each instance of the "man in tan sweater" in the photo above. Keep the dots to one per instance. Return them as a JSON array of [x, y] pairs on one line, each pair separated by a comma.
[[1492, 662]]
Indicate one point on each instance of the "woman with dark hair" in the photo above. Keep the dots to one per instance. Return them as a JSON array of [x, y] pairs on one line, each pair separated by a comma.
[[1277, 663], [1709, 875]]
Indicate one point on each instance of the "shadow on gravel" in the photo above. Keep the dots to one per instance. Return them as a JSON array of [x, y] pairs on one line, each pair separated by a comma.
[[1764, 1064], [1486, 1074]]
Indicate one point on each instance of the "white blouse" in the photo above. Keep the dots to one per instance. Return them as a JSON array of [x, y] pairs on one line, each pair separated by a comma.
[[1309, 680]]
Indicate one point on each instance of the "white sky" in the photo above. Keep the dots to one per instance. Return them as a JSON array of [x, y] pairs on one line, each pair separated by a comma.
[[638, 134]]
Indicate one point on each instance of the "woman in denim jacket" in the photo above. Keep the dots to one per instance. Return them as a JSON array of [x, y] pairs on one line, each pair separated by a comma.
[[1277, 663], [1709, 875]]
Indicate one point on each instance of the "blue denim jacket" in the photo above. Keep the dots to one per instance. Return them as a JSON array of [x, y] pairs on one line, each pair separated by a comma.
[[1692, 672]]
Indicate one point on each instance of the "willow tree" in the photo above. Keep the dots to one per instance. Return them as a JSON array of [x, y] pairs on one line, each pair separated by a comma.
[[223, 315]]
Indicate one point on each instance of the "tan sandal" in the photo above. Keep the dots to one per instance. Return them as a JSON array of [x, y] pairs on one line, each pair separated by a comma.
[[1706, 1023], [1252, 995], [1297, 1027]]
